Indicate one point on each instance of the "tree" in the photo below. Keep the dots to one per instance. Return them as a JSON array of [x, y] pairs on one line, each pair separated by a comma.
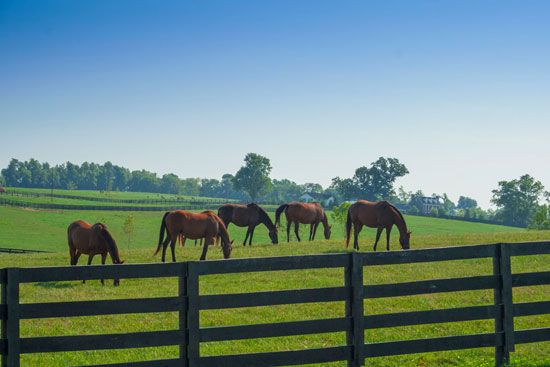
[[340, 213], [128, 228], [374, 182], [517, 200], [465, 202], [253, 177]]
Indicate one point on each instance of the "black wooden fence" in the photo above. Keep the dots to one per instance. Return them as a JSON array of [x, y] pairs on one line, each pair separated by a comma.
[[353, 322]]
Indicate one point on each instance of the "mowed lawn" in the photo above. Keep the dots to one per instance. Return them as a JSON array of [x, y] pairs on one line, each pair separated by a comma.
[[47, 230]]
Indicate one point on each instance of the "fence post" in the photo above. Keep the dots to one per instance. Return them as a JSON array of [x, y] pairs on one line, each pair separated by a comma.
[[193, 321], [12, 322], [504, 321], [182, 294], [354, 309], [4, 297]]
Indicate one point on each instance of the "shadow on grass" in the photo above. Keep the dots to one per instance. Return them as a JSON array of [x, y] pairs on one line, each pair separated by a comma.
[[55, 285]]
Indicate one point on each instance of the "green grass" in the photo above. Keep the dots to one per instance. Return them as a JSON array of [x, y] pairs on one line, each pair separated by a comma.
[[46, 229], [119, 195], [529, 355]]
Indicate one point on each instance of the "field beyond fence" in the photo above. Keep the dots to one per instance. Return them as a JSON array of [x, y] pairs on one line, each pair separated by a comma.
[[353, 322]]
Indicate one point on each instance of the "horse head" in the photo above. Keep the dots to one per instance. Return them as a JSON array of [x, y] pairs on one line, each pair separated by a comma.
[[328, 231], [227, 247], [404, 240], [273, 235]]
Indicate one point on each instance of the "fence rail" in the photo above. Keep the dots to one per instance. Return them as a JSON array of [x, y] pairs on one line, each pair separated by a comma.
[[188, 303]]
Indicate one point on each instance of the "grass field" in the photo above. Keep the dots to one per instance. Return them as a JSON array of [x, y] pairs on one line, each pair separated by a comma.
[[530, 355], [46, 230], [118, 195]]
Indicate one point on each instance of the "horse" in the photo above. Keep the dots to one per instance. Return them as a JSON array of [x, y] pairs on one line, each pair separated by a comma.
[[381, 215], [205, 225], [91, 240], [249, 216], [305, 213]]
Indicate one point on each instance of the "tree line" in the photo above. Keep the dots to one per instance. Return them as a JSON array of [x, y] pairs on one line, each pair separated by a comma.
[[521, 201]]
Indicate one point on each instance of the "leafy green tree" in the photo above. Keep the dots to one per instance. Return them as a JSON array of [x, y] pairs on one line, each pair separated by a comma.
[[340, 213], [170, 184], [465, 202], [253, 177], [374, 182], [517, 200], [128, 228]]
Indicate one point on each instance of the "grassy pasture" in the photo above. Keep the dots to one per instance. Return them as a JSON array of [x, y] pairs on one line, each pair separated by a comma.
[[46, 229], [530, 355], [118, 195]]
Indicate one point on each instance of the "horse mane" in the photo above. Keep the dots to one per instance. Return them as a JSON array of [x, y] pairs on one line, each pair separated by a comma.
[[398, 212], [113, 249], [264, 217]]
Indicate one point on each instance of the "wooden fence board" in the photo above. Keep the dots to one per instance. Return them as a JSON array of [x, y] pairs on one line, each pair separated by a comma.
[[289, 358], [103, 307], [430, 317], [50, 344], [278, 329], [532, 335], [272, 264], [430, 286], [270, 298], [432, 345], [432, 255]]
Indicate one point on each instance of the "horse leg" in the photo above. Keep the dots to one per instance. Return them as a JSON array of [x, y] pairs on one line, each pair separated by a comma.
[[173, 249], [310, 231], [90, 257], [103, 258], [164, 247], [356, 229], [315, 226], [246, 237], [378, 233], [388, 231], [251, 235], [297, 231], [288, 223], [207, 242]]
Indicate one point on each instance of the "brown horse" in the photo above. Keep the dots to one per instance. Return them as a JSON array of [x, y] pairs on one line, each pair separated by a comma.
[[92, 240], [378, 215], [205, 225], [248, 216], [305, 213]]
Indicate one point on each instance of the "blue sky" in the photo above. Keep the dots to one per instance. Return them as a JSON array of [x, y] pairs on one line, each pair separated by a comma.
[[457, 90]]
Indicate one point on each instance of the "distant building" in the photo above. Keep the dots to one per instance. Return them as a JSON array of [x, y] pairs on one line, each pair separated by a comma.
[[425, 204], [326, 200]]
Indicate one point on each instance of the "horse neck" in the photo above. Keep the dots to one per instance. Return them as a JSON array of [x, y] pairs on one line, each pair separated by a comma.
[[324, 220], [264, 218], [399, 222]]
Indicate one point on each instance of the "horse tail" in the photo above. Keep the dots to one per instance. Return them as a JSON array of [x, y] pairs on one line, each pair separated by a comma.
[[72, 248], [225, 212], [113, 249], [348, 227], [278, 213], [161, 234], [223, 235]]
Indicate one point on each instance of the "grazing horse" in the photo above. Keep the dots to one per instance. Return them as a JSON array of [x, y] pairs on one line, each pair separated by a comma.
[[92, 240], [248, 216], [305, 213], [205, 225], [378, 215]]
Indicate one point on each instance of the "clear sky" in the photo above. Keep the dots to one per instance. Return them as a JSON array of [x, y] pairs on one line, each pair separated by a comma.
[[459, 91]]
